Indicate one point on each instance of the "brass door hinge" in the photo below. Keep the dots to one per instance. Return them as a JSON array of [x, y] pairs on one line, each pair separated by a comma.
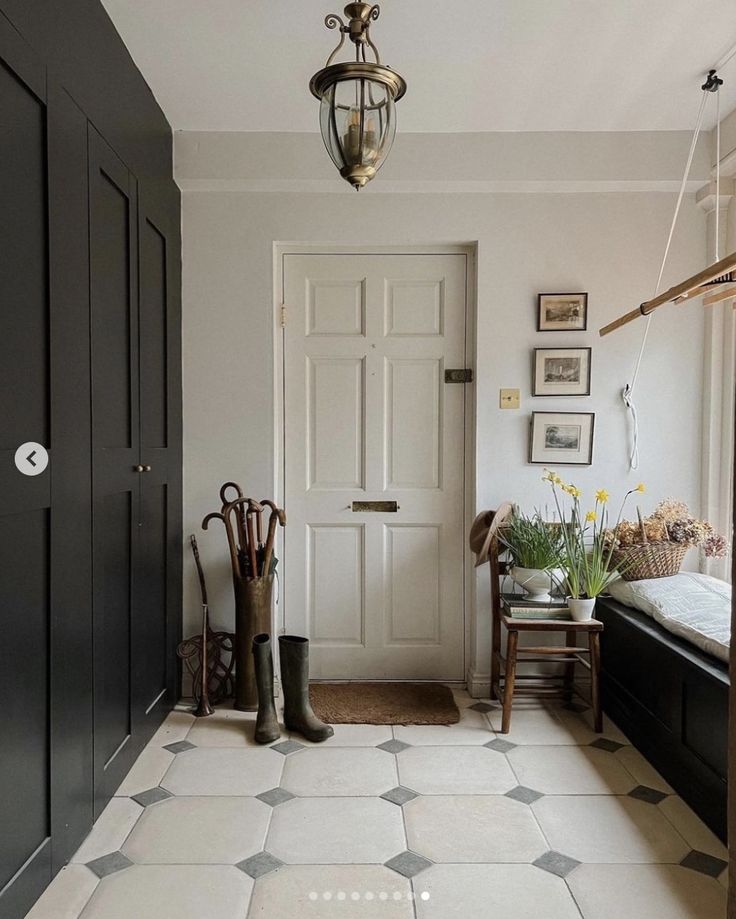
[[283, 315]]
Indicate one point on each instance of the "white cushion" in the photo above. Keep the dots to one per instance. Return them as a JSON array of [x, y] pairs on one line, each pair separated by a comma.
[[693, 606]]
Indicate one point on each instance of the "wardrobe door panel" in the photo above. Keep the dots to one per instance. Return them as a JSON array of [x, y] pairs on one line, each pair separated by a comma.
[[25, 716], [154, 336], [115, 456], [71, 521], [154, 639]]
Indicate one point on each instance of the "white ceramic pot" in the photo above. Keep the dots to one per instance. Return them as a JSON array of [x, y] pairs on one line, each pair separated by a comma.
[[537, 583], [581, 610]]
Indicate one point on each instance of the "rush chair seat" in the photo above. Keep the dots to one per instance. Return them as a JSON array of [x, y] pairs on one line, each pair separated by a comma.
[[484, 542]]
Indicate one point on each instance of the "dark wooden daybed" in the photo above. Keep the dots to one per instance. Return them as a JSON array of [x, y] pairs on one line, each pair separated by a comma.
[[671, 700]]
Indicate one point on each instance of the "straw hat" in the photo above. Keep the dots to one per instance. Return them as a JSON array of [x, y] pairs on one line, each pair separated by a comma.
[[485, 526]]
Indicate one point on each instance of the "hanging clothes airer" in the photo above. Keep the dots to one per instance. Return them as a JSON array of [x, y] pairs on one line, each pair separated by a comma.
[[720, 273]]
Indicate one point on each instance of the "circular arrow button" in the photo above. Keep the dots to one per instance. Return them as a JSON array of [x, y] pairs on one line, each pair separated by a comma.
[[31, 458]]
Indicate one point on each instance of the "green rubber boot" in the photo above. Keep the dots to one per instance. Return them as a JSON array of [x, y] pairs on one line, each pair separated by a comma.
[[267, 722], [298, 714]]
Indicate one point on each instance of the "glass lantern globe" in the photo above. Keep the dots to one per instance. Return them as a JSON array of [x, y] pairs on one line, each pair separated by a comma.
[[358, 125]]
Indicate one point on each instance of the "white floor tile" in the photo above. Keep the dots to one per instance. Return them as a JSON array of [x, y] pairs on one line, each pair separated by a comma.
[[199, 831], [351, 735], [329, 892], [175, 726], [451, 770], [324, 831], [67, 894], [334, 772], [485, 891], [473, 728], [646, 892], [224, 771], [567, 770], [695, 833], [609, 829], [147, 771], [541, 726], [110, 830], [643, 771], [226, 732], [172, 892], [473, 829], [610, 730]]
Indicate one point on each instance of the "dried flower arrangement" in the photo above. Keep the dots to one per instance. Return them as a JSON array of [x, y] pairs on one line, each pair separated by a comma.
[[672, 522]]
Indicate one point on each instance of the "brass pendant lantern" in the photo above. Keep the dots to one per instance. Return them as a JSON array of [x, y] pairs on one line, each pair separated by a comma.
[[357, 111]]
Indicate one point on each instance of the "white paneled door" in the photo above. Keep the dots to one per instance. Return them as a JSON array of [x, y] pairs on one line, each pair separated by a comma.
[[374, 463]]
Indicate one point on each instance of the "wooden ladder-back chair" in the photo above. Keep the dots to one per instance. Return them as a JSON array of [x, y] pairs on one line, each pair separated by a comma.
[[504, 676]]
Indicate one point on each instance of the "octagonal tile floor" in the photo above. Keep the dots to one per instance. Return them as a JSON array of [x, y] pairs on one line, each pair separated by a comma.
[[417, 822]]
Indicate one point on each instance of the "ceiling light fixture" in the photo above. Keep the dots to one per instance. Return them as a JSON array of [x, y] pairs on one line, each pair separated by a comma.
[[357, 112]]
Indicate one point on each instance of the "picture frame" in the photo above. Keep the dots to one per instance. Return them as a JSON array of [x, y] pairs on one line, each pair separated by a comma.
[[562, 371], [565, 312], [561, 438]]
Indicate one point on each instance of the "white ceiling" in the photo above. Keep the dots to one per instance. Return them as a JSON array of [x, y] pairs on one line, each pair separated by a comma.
[[496, 65]]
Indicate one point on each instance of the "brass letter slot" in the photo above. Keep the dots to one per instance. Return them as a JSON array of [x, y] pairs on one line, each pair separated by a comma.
[[376, 507]]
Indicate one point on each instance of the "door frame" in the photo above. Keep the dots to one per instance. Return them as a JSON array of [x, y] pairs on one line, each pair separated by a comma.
[[470, 251]]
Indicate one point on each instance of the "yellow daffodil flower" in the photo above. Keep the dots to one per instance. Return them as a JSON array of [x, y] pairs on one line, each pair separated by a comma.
[[601, 496], [575, 492], [641, 488], [591, 517]]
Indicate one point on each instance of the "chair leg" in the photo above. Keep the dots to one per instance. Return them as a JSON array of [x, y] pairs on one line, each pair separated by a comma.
[[510, 678], [595, 668], [571, 641], [495, 658]]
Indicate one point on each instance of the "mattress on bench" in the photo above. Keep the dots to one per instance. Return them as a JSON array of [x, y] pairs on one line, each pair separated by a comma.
[[693, 606]]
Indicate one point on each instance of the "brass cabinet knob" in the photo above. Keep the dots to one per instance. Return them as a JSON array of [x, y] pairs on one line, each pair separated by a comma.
[[139, 468], [146, 468]]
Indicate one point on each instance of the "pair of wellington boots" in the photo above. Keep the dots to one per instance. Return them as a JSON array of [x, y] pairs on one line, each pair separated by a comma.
[[298, 714]]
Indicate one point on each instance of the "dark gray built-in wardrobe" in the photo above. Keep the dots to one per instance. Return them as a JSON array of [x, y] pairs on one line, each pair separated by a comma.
[[90, 368]]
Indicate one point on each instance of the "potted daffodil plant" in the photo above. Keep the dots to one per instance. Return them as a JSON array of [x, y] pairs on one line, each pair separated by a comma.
[[587, 550]]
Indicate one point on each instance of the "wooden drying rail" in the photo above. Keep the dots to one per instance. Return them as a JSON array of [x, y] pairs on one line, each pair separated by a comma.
[[717, 281]]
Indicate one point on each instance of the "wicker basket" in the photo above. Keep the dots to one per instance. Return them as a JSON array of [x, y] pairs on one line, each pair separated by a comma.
[[651, 560]]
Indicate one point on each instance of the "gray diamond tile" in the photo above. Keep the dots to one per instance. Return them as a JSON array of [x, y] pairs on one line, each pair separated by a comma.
[[287, 746], [556, 863], [525, 795], [109, 864], [275, 796], [152, 796], [393, 746], [645, 793], [704, 863], [481, 707], [399, 795], [610, 746], [258, 865], [181, 746], [500, 746], [408, 863]]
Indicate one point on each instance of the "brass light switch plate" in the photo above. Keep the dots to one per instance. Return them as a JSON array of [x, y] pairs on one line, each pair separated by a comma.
[[510, 398]]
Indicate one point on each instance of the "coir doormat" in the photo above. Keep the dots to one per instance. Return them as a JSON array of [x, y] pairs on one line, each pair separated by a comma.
[[384, 703]]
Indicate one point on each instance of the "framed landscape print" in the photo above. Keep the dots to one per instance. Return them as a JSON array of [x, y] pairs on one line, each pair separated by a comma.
[[562, 312], [559, 438], [561, 372]]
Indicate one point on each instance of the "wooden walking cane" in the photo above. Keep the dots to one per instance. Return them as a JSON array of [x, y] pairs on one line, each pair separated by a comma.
[[203, 706]]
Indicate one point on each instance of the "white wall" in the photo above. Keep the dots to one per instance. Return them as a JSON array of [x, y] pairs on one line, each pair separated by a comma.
[[608, 243]]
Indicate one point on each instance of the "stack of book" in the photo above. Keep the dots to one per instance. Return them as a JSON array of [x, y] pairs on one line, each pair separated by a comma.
[[518, 608]]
